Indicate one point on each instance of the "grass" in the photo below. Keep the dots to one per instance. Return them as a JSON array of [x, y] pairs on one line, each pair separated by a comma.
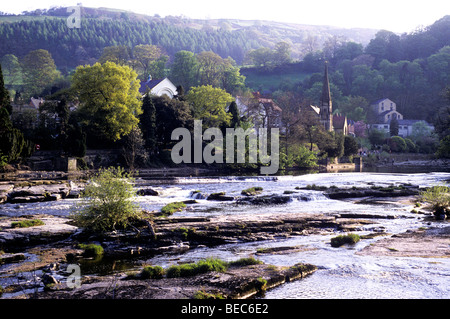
[[27, 223], [252, 191], [152, 272], [345, 239], [171, 208], [91, 250], [207, 265]]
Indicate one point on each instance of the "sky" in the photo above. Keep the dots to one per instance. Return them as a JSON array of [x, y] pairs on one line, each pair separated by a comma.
[[394, 15]]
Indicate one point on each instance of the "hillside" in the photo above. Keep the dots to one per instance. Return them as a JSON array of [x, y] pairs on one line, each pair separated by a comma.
[[47, 29]]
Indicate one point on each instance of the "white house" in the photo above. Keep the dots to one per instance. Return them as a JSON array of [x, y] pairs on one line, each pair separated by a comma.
[[386, 110], [158, 87]]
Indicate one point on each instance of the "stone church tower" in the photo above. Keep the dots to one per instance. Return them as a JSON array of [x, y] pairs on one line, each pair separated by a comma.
[[326, 106]]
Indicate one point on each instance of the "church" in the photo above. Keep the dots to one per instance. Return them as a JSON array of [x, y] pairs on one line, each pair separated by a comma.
[[337, 123]]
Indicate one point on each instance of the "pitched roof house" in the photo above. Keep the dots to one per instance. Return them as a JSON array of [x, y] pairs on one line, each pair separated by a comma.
[[158, 87]]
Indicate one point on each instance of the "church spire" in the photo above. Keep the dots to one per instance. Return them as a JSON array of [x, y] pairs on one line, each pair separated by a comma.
[[326, 107], [326, 95]]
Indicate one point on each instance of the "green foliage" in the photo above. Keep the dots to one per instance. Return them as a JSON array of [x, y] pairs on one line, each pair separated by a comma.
[[27, 223], [252, 191], [209, 105], [110, 99], [106, 202], [192, 269], [207, 265], [439, 199], [397, 144], [344, 239], [171, 208], [245, 262], [304, 158], [91, 250], [39, 71], [152, 272], [350, 146], [205, 295], [444, 148]]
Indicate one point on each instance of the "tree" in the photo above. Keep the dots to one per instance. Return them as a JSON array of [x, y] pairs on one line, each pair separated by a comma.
[[5, 101], [118, 54], [209, 105], [211, 68], [170, 115], [39, 71], [12, 70], [106, 202], [394, 126], [148, 123], [397, 144], [133, 149], [149, 60], [110, 99], [185, 69], [350, 146]]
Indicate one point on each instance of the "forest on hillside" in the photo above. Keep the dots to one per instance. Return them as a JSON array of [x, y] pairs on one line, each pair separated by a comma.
[[39, 56]]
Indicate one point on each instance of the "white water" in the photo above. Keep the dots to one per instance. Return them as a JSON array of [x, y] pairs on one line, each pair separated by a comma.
[[342, 273]]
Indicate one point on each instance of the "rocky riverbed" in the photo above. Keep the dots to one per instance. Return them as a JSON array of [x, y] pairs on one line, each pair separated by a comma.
[[39, 256]]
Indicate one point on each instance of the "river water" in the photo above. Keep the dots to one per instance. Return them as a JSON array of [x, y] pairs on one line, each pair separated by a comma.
[[342, 273]]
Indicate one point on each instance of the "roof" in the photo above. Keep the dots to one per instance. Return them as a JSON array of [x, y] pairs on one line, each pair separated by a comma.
[[149, 84], [339, 121], [380, 100], [411, 122]]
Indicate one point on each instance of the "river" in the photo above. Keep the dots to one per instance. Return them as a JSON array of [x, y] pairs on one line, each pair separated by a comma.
[[342, 272]]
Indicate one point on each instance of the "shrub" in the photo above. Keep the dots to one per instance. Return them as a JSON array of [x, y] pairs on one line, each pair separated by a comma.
[[439, 199], [252, 191], [344, 239], [305, 158], [397, 144], [152, 272], [91, 250], [27, 223], [106, 202], [171, 208]]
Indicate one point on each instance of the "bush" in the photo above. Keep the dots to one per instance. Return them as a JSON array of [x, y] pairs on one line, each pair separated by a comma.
[[305, 158], [439, 199], [344, 239], [106, 202], [171, 208], [152, 272], [397, 144], [27, 223], [91, 250]]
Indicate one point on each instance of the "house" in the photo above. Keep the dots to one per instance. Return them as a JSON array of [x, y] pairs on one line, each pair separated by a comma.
[[262, 111], [386, 110], [340, 124], [158, 87]]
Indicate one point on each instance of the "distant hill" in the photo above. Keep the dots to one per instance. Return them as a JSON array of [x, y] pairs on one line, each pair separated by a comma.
[[101, 27]]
